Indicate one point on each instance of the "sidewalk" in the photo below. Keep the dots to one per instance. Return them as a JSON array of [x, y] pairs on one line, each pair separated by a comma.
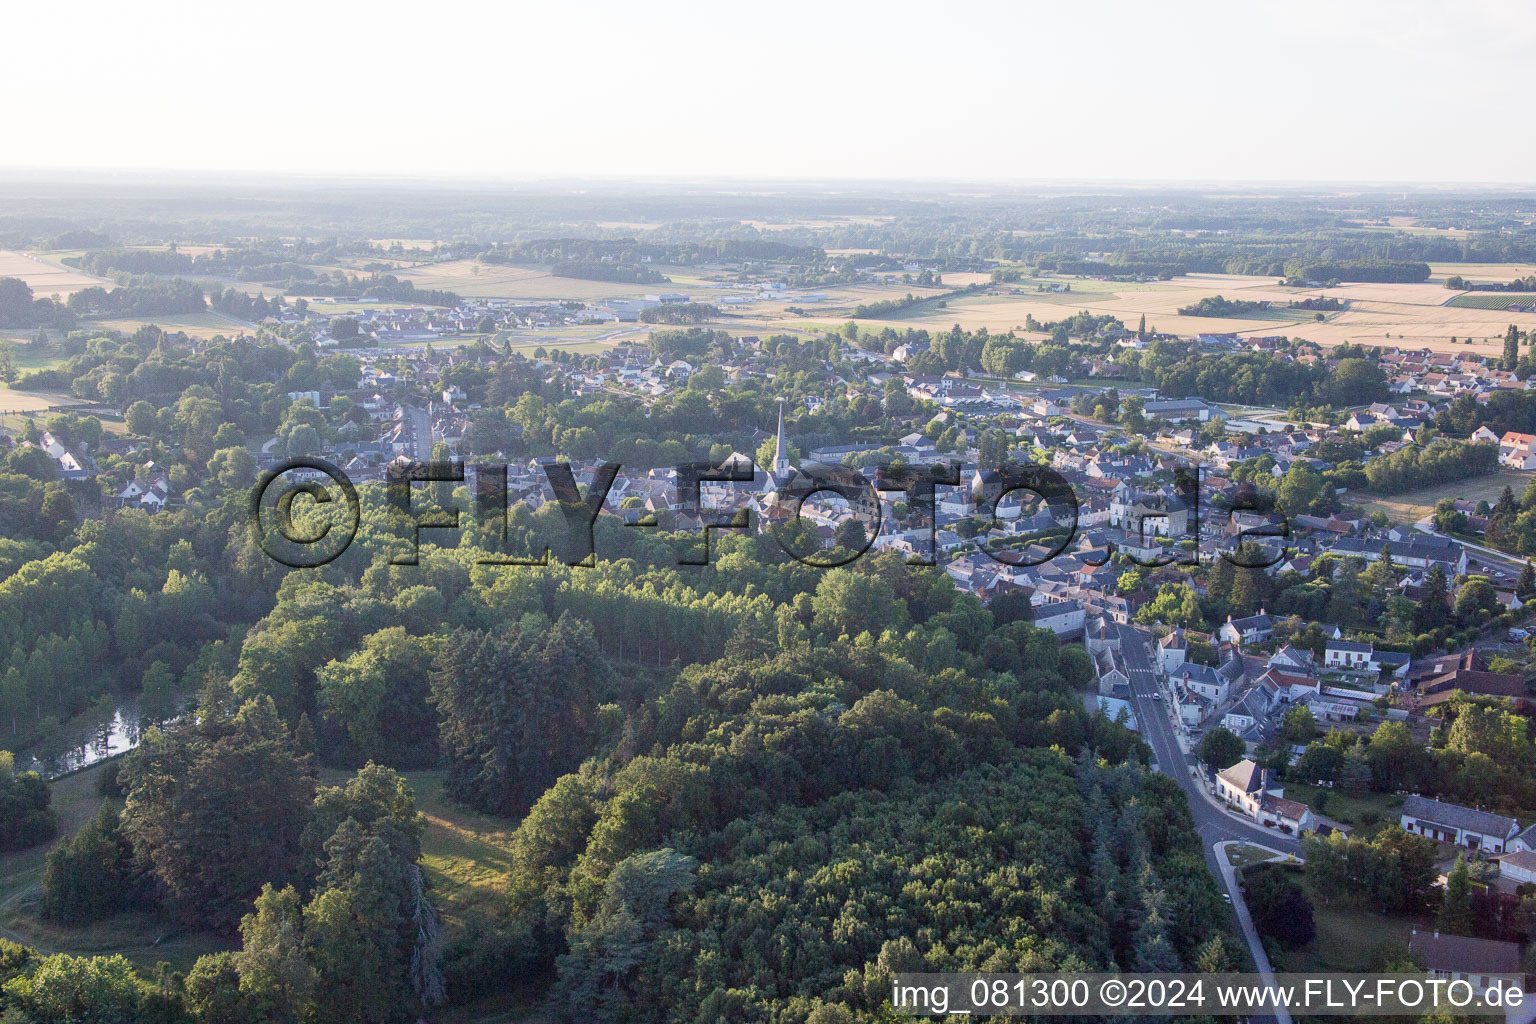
[[1251, 934]]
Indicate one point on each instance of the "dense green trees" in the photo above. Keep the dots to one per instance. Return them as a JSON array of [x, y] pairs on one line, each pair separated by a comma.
[[1441, 461], [1393, 872], [216, 809], [25, 816], [517, 711], [1220, 748], [92, 875], [1278, 905]]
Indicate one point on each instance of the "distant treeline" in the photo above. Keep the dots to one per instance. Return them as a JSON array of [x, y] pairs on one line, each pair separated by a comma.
[[1520, 284], [1372, 270], [241, 264], [379, 286], [1326, 303], [146, 296], [890, 307], [680, 313], [629, 250], [619, 273], [1280, 264], [1217, 305]]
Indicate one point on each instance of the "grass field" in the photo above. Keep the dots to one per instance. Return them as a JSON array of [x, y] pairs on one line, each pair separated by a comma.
[[1415, 505], [12, 401], [490, 280], [1347, 939], [1365, 812], [1496, 272], [465, 855], [1350, 940]]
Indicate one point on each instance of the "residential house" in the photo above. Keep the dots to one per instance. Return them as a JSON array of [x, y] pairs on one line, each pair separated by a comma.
[[1254, 629], [1347, 654], [1482, 963], [1458, 825], [1245, 788]]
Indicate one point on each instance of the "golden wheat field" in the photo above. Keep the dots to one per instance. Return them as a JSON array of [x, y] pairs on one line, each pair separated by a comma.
[[46, 279], [1377, 314]]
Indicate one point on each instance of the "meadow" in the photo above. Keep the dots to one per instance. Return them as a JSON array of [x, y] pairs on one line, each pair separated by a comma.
[[196, 325], [1410, 507], [471, 278]]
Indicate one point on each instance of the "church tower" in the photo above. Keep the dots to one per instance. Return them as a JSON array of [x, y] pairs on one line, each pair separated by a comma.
[[781, 453]]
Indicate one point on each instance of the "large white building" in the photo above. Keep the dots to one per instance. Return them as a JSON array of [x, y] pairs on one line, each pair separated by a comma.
[[1461, 826]]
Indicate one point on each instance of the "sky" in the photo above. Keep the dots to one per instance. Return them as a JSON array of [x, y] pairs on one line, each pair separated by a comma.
[[1352, 91]]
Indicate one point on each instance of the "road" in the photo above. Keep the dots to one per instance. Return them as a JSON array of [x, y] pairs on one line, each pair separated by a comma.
[[1515, 562], [1215, 825], [421, 433]]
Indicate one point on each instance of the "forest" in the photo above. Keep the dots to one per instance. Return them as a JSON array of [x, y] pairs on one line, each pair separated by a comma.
[[742, 792]]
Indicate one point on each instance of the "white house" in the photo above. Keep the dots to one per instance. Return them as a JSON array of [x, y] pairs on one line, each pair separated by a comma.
[[1060, 617], [1113, 680], [1254, 629], [1245, 787], [1346, 654], [1519, 865], [1171, 650], [1460, 826], [1515, 450]]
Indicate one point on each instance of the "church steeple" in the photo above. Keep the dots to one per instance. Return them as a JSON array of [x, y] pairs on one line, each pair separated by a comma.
[[781, 453]]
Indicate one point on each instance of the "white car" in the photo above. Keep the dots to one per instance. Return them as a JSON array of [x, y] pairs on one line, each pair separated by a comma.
[[1157, 696]]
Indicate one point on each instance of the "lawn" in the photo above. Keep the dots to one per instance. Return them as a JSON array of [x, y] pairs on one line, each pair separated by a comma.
[[1365, 812], [197, 325], [1243, 856], [1349, 940], [466, 855]]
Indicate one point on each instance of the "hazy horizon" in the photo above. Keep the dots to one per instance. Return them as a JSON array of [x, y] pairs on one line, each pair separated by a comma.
[[1374, 94]]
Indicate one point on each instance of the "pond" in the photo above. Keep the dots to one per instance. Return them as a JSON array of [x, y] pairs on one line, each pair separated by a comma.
[[84, 741]]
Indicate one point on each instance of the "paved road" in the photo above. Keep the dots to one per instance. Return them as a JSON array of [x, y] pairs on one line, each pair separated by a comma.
[[1215, 825], [1513, 562], [421, 433]]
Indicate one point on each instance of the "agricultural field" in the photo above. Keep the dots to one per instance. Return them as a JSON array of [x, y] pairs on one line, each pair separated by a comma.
[[1412, 506], [14, 402], [1413, 315], [45, 277], [195, 325], [1492, 272], [471, 278], [1494, 300]]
